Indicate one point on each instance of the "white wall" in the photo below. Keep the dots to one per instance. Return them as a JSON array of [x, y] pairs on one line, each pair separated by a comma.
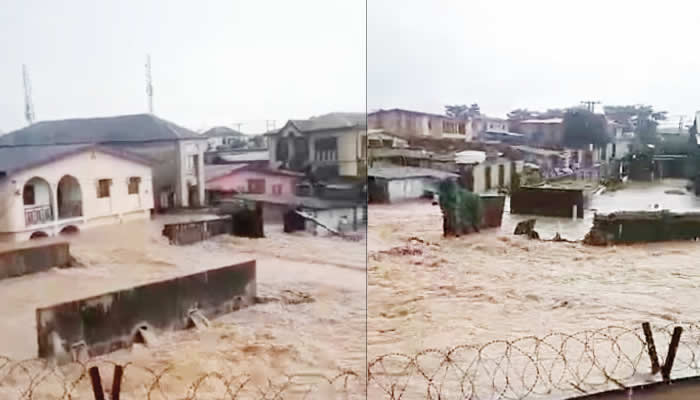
[[88, 168], [405, 189], [331, 218], [193, 177]]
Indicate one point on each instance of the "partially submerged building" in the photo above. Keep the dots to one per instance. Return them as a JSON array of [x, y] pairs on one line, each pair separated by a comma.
[[47, 190], [390, 184], [178, 153]]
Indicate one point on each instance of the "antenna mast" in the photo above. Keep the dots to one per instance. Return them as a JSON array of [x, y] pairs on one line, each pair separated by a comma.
[[149, 84], [28, 106]]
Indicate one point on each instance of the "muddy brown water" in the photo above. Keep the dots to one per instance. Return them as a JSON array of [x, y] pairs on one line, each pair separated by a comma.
[[428, 292], [312, 322]]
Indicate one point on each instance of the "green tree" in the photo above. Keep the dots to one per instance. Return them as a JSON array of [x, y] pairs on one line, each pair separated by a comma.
[[640, 117], [456, 110], [582, 128]]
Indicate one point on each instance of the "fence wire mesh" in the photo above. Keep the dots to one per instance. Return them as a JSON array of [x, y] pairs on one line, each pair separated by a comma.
[[558, 365], [39, 379]]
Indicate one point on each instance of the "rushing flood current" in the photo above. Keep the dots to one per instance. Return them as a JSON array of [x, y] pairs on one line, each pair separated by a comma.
[[428, 292], [311, 324]]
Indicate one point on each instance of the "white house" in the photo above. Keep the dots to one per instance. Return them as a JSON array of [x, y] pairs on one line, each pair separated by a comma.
[[49, 190], [223, 136], [178, 171]]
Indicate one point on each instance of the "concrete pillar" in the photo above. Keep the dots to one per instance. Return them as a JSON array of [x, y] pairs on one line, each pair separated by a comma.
[[181, 200], [312, 149], [200, 180], [54, 200]]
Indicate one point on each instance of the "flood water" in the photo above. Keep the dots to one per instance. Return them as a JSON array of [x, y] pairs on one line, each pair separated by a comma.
[[313, 321], [428, 292]]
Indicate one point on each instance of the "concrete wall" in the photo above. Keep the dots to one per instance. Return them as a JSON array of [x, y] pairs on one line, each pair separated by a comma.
[[110, 321], [238, 181], [493, 211], [30, 260], [646, 226], [547, 202], [406, 189], [87, 168], [197, 231]]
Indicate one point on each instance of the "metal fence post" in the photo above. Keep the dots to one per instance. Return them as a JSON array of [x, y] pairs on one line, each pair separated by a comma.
[[96, 384], [655, 368]]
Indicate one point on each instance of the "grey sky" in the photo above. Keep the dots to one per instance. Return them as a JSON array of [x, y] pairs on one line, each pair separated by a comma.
[[214, 62], [534, 54]]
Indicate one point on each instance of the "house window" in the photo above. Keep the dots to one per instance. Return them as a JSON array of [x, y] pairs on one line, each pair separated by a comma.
[[134, 185], [28, 195], [462, 129], [256, 186], [190, 161], [103, 186], [277, 189]]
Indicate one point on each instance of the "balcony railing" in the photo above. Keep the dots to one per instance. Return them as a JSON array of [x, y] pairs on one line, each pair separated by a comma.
[[36, 215], [70, 209]]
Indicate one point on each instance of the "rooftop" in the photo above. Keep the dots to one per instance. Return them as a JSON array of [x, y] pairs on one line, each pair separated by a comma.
[[250, 156], [16, 159], [408, 172], [543, 121], [297, 201], [400, 110], [221, 131], [124, 128], [337, 120]]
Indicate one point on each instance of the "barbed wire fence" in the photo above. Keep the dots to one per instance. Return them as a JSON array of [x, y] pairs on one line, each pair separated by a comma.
[[531, 367], [555, 366], [104, 379]]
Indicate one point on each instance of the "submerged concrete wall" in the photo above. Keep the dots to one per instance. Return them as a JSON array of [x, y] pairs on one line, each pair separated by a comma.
[[549, 202], [643, 226], [493, 211], [33, 259], [197, 231], [108, 322]]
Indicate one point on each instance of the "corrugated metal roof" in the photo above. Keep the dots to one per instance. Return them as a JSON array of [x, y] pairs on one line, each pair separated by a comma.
[[212, 171], [297, 201], [15, 159], [408, 172], [125, 128]]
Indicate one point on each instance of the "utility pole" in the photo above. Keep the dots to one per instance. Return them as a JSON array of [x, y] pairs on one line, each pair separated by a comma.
[[270, 123], [28, 105], [238, 126], [590, 105], [149, 84]]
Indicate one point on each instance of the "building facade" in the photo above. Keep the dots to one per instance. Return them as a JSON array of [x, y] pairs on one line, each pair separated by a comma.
[[410, 124], [49, 190], [331, 145], [225, 181], [542, 132]]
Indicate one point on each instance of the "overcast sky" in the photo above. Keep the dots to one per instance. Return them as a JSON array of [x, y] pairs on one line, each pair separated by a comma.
[[214, 62], [534, 54]]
